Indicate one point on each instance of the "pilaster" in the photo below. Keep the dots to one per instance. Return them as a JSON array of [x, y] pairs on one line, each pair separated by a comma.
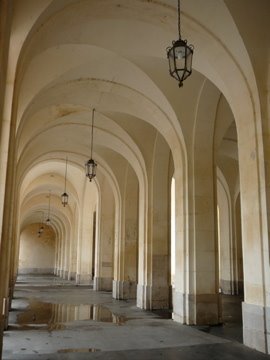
[[201, 309], [256, 325], [151, 297], [102, 284], [71, 275], [124, 290], [65, 274], [83, 279]]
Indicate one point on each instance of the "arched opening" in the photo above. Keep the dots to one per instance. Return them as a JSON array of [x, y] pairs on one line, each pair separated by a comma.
[[229, 231], [54, 104], [230, 265], [37, 251]]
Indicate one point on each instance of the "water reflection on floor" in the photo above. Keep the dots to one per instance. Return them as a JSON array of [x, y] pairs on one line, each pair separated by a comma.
[[50, 316]]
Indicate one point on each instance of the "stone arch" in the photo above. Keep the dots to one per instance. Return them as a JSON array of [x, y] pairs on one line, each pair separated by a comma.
[[222, 58]]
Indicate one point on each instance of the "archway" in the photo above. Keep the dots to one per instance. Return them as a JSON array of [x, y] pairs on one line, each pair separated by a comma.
[[37, 251]]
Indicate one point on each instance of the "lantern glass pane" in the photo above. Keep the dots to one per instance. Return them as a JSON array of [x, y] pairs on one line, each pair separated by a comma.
[[90, 169], [180, 53], [180, 57], [171, 60], [189, 60], [64, 199]]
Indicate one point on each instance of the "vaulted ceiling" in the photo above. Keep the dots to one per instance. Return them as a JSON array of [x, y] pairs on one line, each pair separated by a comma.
[[70, 56]]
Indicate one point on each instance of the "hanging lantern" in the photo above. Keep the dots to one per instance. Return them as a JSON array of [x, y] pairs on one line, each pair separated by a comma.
[[64, 199], [90, 169], [41, 227], [180, 56], [91, 165], [48, 221], [64, 196]]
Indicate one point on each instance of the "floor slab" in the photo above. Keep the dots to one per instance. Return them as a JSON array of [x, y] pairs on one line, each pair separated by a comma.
[[55, 319]]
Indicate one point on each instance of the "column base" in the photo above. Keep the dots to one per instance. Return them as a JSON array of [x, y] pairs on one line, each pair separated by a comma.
[[124, 290], [226, 287], [58, 272], [83, 279], [153, 297], [256, 327], [5, 312], [65, 275], [231, 287], [179, 307], [102, 284], [143, 299], [35, 271], [62, 274], [71, 275], [202, 309]]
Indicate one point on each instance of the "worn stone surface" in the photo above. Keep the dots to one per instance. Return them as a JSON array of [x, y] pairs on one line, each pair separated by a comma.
[[85, 324]]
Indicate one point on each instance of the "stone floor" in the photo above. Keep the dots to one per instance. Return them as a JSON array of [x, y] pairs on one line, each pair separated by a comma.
[[55, 319]]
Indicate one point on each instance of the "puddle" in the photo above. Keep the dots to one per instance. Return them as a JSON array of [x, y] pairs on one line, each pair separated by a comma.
[[49, 316], [77, 350]]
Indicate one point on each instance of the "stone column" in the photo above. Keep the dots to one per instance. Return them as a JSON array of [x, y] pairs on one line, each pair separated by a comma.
[[154, 292], [105, 239], [6, 92], [66, 257], [7, 249], [58, 251], [126, 252], [225, 236], [255, 241], [195, 296], [85, 234], [73, 248], [56, 256], [239, 279]]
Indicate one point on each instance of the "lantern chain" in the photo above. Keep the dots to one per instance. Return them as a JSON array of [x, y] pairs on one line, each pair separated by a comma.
[[179, 25], [66, 175], [93, 112]]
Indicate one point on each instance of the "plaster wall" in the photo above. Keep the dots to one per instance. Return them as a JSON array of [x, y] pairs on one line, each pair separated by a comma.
[[36, 253]]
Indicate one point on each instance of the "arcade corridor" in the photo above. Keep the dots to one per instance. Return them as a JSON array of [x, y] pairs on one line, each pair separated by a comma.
[[130, 193]]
